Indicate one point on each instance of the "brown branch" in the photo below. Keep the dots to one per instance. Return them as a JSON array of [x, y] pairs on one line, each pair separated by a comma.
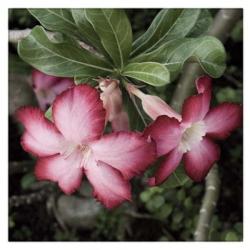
[[220, 28]]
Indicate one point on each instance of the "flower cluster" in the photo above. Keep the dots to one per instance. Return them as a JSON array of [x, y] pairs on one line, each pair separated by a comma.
[[73, 144]]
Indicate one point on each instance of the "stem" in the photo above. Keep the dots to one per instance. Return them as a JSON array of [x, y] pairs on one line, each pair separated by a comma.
[[208, 205], [221, 27]]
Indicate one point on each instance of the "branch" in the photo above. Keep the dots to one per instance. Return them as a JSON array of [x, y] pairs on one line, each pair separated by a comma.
[[220, 28], [208, 205]]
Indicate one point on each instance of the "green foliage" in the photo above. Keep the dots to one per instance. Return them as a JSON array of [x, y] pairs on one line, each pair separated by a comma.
[[27, 180], [60, 20], [167, 25], [114, 31], [87, 31], [109, 31], [149, 72], [177, 178], [203, 23], [237, 32], [59, 59], [207, 51], [228, 94]]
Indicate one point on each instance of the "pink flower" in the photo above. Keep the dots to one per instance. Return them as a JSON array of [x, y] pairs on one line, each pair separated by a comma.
[[48, 87], [73, 145], [190, 136], [112, 102]]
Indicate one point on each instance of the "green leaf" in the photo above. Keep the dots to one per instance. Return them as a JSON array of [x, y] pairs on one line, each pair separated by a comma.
[[178, 178], [59, 59], [208, 51], [27, 180], [231, 236], [60, 20], [168, 24], [86, 29], [152, 73], [114, 30], [202, 25], [164, 211]]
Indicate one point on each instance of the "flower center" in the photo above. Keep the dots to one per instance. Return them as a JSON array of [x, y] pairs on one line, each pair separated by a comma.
[[191, 136], [76, 153]]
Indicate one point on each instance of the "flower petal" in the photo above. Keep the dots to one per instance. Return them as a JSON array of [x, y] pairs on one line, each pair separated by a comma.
[[41, 137], [66, 171], [153, 106], [166, 132], [223, 119], [110, 187], [128, 152], [167, 167], [47, 87], [78, 113], [196, 107], [201, 158]]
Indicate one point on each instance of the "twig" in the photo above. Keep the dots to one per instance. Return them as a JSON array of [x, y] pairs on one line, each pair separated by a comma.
[[208, 205], [16, 167], [27, 199], [220, 28], [16, 35]]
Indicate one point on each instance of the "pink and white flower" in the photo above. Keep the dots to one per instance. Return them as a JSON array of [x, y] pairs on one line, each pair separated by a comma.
[[48, 87], [112, 102], [74, 145], [188, 137]]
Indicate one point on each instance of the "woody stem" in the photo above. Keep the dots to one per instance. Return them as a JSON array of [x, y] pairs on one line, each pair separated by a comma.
[[221, 27]]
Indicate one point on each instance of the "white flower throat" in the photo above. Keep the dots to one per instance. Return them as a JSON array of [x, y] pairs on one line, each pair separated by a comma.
[[76, 152], [191, 136]]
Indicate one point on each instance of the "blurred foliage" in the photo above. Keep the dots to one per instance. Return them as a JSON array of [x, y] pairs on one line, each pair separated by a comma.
[[165, 213]]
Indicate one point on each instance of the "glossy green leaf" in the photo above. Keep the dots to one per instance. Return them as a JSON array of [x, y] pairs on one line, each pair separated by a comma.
[[86, 29], [152, 73], [203, 23], [178, 178], [60, 59], [168, 24], [60, 20], [208, 51], [114, 30]]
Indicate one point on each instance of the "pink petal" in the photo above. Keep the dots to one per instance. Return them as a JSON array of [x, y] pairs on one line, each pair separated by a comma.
[[167, 167], [110, 187], [66, 171], [166, 132], [128, 152], [196, 107], [41, 137], [223, 119], [120, 122], [153, 106], [79, 115], [47, 87], [201, 158]]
